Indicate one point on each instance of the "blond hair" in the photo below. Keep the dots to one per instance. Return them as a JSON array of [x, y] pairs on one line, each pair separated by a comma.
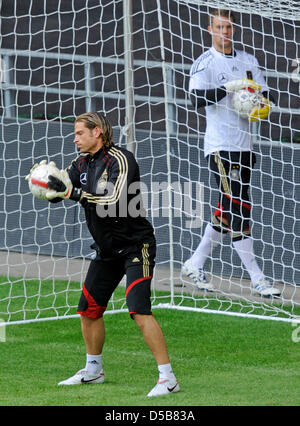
[[225, 13], [95, 119]]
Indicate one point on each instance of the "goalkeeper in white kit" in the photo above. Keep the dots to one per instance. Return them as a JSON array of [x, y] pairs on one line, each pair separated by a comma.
[[215, 76]]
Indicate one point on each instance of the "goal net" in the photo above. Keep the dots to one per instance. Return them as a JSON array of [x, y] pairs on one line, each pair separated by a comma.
[[131, 60]]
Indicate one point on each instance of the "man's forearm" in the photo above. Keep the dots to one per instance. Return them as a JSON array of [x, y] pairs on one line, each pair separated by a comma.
[[202, 98]]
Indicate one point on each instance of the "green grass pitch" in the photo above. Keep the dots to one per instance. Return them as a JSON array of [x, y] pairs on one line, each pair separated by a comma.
[[218, 361]]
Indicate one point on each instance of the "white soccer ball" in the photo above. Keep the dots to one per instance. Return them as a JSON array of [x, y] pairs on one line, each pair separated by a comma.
[[245, 100], [38, 180]]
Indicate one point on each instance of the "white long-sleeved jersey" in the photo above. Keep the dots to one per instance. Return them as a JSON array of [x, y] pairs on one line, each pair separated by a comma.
[[225, 130]]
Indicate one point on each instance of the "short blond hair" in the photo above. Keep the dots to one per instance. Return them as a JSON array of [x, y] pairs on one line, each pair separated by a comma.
[[95, 119], [224, 13]]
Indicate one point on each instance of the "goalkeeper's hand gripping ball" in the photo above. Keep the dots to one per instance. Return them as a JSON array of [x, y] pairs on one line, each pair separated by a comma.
[[60, 185], [261, 112], [243, 83], [38, 178], [250, 104]]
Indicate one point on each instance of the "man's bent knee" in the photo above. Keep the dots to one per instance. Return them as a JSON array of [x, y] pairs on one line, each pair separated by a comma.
[[141, 319]]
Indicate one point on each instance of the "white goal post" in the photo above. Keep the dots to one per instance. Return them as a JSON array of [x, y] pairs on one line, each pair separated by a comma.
[[131, 60]]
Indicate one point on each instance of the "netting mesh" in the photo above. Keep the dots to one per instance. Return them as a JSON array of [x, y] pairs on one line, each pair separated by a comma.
[[267, 8], [60, 59]]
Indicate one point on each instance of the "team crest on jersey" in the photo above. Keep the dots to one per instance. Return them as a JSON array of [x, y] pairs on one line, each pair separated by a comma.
[[102, 182]]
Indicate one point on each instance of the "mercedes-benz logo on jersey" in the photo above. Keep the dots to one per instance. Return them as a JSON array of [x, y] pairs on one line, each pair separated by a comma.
[[83, 178], [222, 77]]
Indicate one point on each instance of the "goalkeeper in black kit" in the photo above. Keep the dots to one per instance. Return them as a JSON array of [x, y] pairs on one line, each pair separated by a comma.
[[215, 76], [99, 178]]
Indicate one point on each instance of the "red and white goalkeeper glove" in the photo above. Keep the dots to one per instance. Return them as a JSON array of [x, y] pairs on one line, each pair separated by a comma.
[[60, 185]]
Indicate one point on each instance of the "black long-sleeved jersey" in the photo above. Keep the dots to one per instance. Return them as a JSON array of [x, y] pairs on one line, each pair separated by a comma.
[[111, 199]]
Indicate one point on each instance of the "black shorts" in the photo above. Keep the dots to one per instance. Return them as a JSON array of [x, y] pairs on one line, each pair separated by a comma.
[[232, 171], [103, 277]]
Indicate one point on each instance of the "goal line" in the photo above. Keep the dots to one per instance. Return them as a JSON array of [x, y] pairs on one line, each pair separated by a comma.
[[293, 320]]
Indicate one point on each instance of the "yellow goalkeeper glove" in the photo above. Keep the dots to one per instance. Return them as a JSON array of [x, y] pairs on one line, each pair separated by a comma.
[[262, 112]]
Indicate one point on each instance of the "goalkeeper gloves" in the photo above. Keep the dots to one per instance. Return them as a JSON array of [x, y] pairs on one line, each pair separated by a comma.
[[243, 83], [36, 165], [258, 113], [262, 112], [61, 187]]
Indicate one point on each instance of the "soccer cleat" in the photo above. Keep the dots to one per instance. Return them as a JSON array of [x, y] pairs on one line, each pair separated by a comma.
[[197, 275], [265, 288], [164, 387], [83, 377]]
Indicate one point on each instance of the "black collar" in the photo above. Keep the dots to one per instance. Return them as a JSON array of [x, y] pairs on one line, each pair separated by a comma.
[[230, 55], [95, 156]]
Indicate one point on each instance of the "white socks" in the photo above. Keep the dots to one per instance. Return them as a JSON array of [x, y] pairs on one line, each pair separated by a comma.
[[93, 364], [94, 367], [165, 372], [211, 238], [244, 249]]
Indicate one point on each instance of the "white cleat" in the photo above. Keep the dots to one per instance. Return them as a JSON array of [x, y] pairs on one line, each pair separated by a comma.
[[82, 377], [164, 387], [265, 288], [197, 275]]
